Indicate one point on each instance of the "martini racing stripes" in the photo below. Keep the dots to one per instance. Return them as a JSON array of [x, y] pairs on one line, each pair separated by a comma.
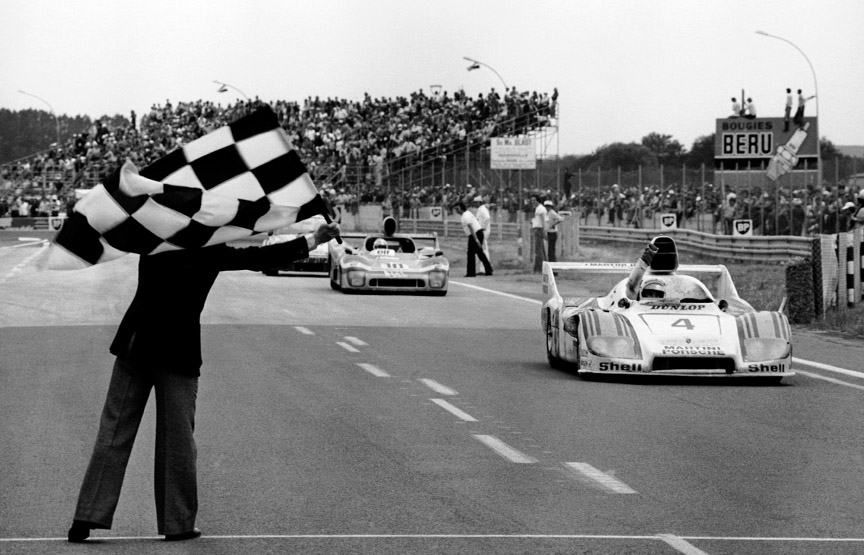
[[762, 324], [599, 323]]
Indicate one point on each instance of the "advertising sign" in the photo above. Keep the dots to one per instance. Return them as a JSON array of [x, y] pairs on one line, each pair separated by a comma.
[[668, 221], [742, 140], [742, 228], [513, 153]]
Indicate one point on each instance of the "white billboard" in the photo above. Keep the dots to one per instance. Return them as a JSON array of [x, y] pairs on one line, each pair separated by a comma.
[[513, 153]]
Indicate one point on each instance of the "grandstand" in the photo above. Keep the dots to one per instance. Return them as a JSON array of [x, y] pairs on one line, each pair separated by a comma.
[[401, 150]]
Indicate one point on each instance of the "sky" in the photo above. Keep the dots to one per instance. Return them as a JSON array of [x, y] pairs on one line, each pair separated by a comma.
[[623, 68]]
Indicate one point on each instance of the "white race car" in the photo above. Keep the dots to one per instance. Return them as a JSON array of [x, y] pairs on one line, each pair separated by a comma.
[[672, 325], [389, 262]]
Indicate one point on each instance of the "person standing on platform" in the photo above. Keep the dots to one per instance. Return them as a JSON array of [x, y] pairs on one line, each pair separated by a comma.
[[799, 113]]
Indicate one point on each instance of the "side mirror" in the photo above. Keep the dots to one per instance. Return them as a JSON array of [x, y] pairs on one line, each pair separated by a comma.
[[624, 302], [723, 304], [439, 253]]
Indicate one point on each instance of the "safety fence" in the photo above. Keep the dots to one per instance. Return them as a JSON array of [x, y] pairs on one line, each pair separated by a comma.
[[837, 260]]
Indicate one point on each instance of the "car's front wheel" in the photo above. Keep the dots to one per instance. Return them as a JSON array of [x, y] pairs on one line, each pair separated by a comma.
[[554, 361], [334, 279]]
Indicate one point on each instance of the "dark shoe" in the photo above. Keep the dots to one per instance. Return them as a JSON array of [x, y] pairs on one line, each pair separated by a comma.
[[190, 535], [80, 531], [472, 275]]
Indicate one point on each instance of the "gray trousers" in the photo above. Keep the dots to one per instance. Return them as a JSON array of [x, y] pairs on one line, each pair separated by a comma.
[[174, 479], [538, 234]]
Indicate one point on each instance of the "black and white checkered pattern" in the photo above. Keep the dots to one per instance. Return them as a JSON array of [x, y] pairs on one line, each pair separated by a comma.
[[238, 180]]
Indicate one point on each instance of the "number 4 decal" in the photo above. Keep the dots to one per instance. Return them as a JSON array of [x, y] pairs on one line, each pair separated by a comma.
[[683, 323]]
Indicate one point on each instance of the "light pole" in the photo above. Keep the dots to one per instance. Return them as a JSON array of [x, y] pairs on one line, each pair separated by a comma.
[[475, 64], [56, 121], [815, 93], [223, 87]]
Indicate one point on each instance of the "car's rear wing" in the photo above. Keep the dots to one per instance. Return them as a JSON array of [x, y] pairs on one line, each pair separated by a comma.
[[725, 287]]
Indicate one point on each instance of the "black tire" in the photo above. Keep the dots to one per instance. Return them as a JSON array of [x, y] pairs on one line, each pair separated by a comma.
[[554, 361], [334, 280]]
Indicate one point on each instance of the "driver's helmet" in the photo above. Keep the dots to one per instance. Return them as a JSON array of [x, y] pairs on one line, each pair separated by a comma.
[[379, 243], [653, 290]]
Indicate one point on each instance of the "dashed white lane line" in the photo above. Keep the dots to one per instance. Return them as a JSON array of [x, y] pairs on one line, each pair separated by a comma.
[[347, 347], [455, 411], [355, 341], [438, 388], [509, 453], [304, 331], [374, 370], [681, 545], [609, 482]]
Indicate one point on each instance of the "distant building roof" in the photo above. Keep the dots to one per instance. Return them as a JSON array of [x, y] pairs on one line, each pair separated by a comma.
[[853, 151]]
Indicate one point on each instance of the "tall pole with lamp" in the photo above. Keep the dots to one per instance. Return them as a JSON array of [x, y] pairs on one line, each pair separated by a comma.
[[223, 87], [815, 93], [476, 64], [56, 121]]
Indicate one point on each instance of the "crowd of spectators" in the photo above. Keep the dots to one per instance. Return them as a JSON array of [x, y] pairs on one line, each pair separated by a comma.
[[373, 134], [799, 212]]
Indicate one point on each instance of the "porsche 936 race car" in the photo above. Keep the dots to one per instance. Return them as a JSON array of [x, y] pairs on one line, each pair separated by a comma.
[[661, 320], [389, 262]]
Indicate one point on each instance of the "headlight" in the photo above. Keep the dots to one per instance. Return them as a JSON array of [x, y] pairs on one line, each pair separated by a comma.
[[765, 348], [437, 279], [612, 346], [356, 279]]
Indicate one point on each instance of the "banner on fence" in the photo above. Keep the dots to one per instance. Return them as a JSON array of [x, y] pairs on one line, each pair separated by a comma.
[[742, 228], [55, 223], [512, 153], [432, 213], [668, 221]]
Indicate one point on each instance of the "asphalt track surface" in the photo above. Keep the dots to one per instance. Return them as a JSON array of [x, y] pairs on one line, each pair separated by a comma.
[[335, 424]]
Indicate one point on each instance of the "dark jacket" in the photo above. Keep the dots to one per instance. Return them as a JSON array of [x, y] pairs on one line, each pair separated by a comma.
[[162, 327]]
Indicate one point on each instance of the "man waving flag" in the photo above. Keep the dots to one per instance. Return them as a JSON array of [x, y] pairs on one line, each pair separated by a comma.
[[241, 179]]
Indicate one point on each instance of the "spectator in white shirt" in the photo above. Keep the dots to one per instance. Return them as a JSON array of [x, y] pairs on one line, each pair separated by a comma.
[[552, 221], [485, 221], [538, 234], [475, 240]]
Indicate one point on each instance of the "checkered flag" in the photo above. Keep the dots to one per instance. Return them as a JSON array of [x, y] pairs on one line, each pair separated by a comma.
[[238, 180]]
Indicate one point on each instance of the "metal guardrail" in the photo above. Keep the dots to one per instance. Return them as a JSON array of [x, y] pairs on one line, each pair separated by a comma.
[[733, 248], [769, 249]]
